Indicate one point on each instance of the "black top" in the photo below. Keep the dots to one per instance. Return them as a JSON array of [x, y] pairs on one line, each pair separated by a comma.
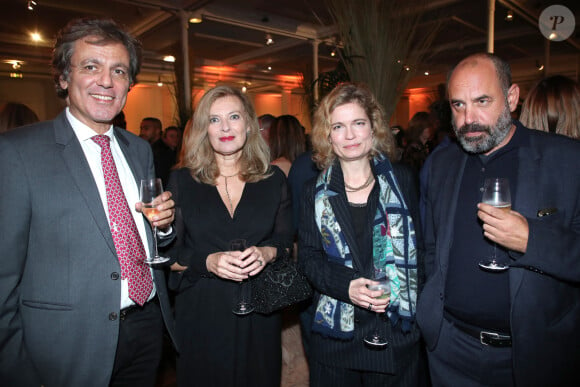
[[218, 348], [473, 295]]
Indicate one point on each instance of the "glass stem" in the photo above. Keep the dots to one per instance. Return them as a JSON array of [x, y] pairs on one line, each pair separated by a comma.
[[155, 241]]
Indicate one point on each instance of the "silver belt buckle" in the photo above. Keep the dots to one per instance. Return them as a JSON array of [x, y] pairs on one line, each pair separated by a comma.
[[484, 334]]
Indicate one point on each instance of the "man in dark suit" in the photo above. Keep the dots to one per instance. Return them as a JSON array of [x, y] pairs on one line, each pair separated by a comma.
[[518, 326], [78, 305], [165, 152]]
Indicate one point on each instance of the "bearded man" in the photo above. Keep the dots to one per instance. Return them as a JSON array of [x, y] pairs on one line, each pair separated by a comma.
[[518, 326]]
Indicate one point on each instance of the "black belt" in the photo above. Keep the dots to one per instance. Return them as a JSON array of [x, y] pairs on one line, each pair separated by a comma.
[[485, 337], [126, 312]]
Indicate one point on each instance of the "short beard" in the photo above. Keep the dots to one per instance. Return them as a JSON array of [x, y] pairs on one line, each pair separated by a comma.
[[491, 137]]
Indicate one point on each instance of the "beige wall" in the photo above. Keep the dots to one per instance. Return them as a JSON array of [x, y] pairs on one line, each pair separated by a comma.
[[146, 100], [150, 100], [36, 93]]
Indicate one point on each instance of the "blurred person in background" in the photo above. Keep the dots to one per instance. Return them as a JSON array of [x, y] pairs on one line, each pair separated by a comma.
[[553, 105], [286, 141], [165, 152], [265, 121], [419, 140], [14, 114], [150, 129]]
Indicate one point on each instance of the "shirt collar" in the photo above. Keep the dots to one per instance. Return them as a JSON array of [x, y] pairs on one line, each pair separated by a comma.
[[82, 131]]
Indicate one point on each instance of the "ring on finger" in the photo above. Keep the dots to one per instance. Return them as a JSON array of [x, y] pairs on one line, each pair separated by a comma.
[[260, 262], [370, 307]]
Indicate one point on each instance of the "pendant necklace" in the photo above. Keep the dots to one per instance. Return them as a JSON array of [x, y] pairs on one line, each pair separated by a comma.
[[228, 192], [348, 188]]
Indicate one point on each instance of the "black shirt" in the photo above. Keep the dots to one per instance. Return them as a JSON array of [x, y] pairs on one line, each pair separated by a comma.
[[473, 295]]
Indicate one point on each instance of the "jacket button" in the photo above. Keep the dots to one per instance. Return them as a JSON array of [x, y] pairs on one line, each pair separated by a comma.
[[113, 316], [114, 276], [440, 296]]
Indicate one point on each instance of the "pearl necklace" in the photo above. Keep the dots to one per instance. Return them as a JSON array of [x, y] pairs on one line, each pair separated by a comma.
[[228, 192], [348, 188]]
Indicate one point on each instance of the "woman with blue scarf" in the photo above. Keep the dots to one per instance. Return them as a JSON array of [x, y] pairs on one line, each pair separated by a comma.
[[357, 218]]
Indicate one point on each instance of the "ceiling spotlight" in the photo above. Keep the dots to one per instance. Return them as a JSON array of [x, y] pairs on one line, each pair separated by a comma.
[[426, 73], [333, 53], [35, 36], [407, 68], [539, 66], [244, 89], [16, 65], [169, 58], [31, 4], [269, 68], [269, 40], [196, 17], [509, 16], [159, 82]]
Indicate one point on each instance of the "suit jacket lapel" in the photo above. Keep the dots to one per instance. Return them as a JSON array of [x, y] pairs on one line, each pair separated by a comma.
[[76, 162], [527, 199], [451, 183]]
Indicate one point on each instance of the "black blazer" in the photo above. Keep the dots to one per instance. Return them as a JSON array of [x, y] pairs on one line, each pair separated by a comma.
[[545, 281]]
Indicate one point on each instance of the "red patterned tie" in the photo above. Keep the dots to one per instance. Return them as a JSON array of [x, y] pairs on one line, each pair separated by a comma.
[[128, 243]]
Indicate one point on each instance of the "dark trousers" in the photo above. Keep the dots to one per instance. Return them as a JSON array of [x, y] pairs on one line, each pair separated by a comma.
[[461, 360], [322, 375], [139, 347]]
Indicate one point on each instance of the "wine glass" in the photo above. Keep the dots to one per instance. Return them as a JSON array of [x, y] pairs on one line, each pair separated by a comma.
[[496, 192], [151, 189], [243, 305], [375, 339]]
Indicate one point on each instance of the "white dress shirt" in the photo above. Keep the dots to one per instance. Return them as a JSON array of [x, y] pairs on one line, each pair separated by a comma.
[[92, 153]]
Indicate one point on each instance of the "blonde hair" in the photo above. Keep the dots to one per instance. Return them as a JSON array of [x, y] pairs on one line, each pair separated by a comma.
[[198, 155], [383, 140], [553, 105]]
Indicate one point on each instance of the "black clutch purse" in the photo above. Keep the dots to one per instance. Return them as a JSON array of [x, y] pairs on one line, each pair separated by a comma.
[[279, 285]]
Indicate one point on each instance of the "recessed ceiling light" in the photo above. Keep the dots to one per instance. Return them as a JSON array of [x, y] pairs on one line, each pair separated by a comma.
[[35, 36], [169, 58]]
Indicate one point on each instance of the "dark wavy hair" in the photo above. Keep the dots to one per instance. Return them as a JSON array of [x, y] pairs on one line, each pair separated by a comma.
[[287, 138], [103, 31]]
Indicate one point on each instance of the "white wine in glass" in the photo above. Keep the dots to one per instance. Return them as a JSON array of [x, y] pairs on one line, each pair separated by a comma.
[[375, 339], [496, 192], [149, 190]]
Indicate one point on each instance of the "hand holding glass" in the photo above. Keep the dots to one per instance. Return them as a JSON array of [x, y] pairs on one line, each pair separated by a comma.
[[243, 305], [496, 193], [375, 339], [151, 189]]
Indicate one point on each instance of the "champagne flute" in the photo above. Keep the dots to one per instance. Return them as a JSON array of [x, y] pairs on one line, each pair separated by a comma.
[[496, 193], [375, 339], [243, 304], [150, 189]]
